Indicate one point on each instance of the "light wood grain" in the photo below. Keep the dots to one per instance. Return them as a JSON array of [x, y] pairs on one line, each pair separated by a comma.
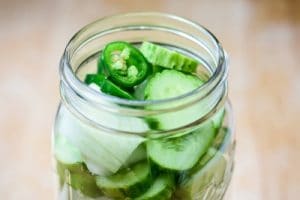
[[262, 39]]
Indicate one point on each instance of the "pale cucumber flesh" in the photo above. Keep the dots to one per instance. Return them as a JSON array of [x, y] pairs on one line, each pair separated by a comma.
[[126, 182], [181, 153], [169, 84]]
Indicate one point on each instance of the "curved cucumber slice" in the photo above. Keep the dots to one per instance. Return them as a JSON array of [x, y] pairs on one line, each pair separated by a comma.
[[221, 138], [78, 178], [207, 156], [85, 183], [181, 153], [210, 177], [217, 143], [170, 83], [158, 55], [126, 182], [62, 170], [218, 119], [138, 155], [161, 189]]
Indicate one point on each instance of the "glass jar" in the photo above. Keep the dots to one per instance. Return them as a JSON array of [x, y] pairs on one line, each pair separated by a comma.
[[111, 148]]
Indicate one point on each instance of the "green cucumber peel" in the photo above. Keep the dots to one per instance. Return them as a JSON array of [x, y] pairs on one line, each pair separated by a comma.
[[163, 57], [161, 189], [127, 182]]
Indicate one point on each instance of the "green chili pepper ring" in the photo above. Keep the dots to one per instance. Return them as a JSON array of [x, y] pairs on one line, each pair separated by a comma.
[[107, 86], [125, 64]]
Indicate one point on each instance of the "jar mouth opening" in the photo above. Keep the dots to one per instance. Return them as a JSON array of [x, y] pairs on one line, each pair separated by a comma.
[[69, 77]]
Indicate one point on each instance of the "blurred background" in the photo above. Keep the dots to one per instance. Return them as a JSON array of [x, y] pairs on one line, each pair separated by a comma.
[[262, 39]]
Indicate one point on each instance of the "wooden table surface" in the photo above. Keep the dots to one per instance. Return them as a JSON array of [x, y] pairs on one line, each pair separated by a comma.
[[261, 37]]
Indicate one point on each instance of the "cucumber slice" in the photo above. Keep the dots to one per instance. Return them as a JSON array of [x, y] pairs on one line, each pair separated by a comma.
[[63, 170], [126, 182], [170, 83], [218, 119], [181, 153], [85, 183], [158, 55], [210, 177], [212, 151], [78, 177], [221, 138], [138, 155], [207, 156], [161, 189]]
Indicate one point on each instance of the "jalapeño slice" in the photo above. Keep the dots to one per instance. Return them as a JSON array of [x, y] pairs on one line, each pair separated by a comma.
[[100, 66], [107, 86], [124, 63]]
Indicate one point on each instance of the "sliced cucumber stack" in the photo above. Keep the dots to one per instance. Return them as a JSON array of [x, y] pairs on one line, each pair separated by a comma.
[[128, 182], [158, 55], [161, 189], [181, 153]]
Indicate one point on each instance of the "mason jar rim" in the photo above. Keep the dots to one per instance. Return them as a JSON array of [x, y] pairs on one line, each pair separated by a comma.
[[69, 77]]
